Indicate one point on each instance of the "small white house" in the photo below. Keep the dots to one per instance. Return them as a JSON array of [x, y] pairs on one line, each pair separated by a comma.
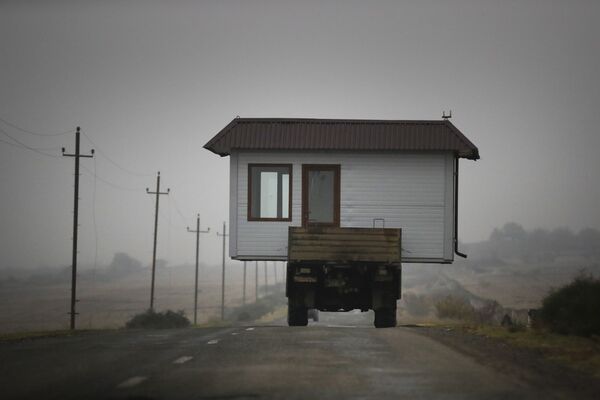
[[343, 173]]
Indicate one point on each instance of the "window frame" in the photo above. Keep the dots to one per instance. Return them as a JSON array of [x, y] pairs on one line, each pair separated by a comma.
[[336, 168], [249, 215]]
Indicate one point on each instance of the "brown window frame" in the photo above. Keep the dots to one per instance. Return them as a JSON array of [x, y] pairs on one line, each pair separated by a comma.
[[249, 215], [336, 193]]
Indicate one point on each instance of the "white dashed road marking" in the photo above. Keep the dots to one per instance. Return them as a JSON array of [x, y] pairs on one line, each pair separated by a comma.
[[249, 329], [131, 382], [234, 333], [214, 341], [341, 326], [182, 360]]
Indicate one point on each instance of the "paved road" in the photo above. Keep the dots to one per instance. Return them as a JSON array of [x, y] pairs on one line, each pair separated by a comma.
[[337, 358]]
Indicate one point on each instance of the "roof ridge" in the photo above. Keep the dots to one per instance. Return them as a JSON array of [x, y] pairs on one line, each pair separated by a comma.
[[337, 121]]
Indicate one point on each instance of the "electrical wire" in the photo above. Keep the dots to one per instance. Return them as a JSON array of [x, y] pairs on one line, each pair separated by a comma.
[[22, 145], [17, 127], [24, 148], [178, 210], [114, 185], [12, 144], [113, 162]]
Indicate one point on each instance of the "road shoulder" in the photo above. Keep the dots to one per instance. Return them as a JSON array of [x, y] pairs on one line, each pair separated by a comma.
[[526, 364]]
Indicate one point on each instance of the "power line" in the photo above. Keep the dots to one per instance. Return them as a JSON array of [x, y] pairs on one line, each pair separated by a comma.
[[114, 185], [24, 148], [22, 145], [113, 162], [12, 144], [17, 127], [178, 209]]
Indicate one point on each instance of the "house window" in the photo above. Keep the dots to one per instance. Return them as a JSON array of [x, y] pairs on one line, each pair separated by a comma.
[[269, 192]]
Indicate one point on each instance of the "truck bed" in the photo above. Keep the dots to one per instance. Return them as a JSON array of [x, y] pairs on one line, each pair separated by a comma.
[[341, 245]]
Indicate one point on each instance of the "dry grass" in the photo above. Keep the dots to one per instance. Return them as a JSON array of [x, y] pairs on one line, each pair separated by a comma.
[[26, 307], [580, 353], [278, 313]]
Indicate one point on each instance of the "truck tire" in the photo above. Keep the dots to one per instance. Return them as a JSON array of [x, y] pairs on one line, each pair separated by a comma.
[[297, 316], [385, 318]]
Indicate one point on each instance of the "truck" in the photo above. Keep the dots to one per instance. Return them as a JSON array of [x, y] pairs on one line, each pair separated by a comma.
[[342, 269]]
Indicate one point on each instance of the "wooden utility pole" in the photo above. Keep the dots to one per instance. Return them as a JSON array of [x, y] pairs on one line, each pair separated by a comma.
[[244, 287], [266, 280], [197, 232], [256, 281], [157, 193], [224, 235], [77, 156]]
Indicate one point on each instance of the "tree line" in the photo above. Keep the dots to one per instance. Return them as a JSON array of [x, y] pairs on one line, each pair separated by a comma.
[[512, 241]]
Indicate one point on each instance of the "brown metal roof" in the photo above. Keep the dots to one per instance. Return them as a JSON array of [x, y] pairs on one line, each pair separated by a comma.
[[340, 134]]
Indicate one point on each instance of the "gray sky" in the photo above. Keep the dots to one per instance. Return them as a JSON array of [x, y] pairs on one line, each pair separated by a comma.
[[150, 83]]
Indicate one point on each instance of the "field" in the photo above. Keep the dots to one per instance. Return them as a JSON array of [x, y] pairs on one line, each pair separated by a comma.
[[516, 286], [39, 302]]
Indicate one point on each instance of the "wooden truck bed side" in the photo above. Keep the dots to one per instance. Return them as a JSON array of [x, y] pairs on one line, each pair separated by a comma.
[[329, 244]]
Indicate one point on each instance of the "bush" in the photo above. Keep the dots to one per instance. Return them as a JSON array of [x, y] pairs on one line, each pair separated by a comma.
[[454, 308], [253, 311], [161, 320], [488, 312], [574, 308]]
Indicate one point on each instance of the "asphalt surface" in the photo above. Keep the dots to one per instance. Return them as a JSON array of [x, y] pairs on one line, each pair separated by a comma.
[[336, 358]]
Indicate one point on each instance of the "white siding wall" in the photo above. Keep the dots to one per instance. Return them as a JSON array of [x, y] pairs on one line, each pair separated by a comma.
[[412, 191]]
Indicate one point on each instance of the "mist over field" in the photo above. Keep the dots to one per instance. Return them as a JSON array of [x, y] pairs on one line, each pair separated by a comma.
[[514, 267]]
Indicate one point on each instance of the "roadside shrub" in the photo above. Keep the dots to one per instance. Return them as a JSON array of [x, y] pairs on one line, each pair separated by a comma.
[[488, 312], [454, 308], [158, 320], [574, 308], [253, 311]]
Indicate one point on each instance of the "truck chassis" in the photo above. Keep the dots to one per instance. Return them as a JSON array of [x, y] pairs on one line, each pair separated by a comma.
[[342, 269]]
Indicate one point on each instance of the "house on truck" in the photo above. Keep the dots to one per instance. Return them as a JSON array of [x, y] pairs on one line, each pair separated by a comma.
[[296, 185]]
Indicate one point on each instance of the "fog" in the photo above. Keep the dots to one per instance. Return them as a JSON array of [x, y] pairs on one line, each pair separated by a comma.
[[151, 83]]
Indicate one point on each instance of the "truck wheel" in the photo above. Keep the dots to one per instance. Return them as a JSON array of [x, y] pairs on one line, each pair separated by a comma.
[[297, 316], [385, 318]]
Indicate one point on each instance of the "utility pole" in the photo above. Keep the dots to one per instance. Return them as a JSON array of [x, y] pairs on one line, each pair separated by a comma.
[[197, 232], [224, 235], [157, 193], [256, 281], [244, 289], [77, 156], [266, 281]]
